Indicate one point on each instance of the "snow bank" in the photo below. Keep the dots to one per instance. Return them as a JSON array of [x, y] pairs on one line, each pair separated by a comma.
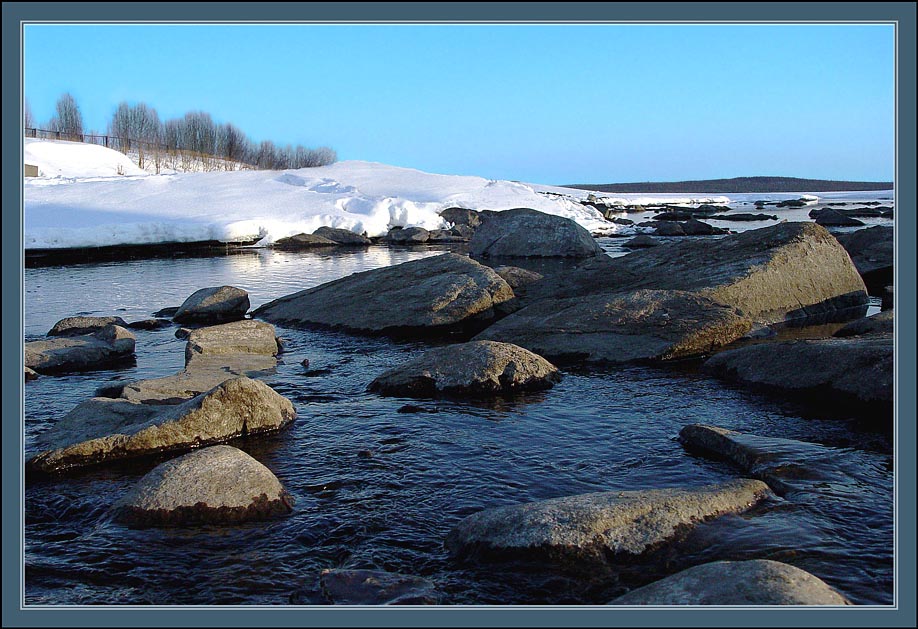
[[96, 209], [74, 159]]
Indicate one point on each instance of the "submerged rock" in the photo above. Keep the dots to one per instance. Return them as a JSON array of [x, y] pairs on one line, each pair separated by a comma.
[[643, 325], [80, 326], [215, 485], [851, 369], [376, 587], [303, 241], [342, 236], [431, 295], [604, 527], [479, 368], [213, 305], [785, 271], [755, 582], [102, 429], [527, 233], [881, 323], [109, 346]]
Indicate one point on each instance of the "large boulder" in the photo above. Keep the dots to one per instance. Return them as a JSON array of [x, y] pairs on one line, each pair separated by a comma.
[[785, 271], [107, 347], [430, 295], [478, 368], [213, 305], [303, 241], [833, 370], [643, 325], [376, 587], [220, 484], [79, 326], [872, 252], [102, 429], [755, 582], [342, 236], [602, 527], [528, 233]]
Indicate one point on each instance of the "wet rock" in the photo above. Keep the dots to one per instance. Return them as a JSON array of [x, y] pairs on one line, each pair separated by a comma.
[[746, 583], [101, 430], [303, 241], [150, 324], [342, 236], [216, 485], [881, 323], [644, 325], [238, 337], [29, 374], [213, 305], [744, 216], [871, 250], [461, 216], [428, 296], [834, 218], [375, 587], [408, 235], [108, 347], [602, 527], [642, 241], [857, 369], [777, 273], [526, 233], [81, 326], [669, 229], [479, 368]]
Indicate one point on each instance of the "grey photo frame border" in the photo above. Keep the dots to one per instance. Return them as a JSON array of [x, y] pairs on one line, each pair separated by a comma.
[[901, 14]]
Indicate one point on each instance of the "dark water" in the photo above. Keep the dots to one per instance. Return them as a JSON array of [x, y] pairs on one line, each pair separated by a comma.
[[595, 431]]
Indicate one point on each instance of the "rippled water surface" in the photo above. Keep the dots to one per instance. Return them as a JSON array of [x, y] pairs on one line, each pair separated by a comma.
[[378, 488]]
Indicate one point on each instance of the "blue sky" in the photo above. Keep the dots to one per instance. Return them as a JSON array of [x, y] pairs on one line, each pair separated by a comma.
[[546, 103]]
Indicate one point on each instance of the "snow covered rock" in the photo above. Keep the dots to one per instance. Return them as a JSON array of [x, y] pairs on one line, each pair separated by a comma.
[[643, 325], [213, 305], [104, 429], [431, 295], [220, 484], [598, 527], [108, 346], [745, 583], [479, 368], [526, 233]]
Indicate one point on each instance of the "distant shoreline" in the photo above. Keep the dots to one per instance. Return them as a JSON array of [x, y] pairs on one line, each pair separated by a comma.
[[738, 185]]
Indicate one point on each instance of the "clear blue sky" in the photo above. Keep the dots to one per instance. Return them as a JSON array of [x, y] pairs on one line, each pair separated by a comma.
[[547, 104]]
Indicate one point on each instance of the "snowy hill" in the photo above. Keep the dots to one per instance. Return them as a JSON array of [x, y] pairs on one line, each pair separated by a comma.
[[56, 158]]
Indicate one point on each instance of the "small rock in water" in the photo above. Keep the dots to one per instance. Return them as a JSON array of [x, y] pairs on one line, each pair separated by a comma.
[[80, 326], [365, 454], [413, 408], [305, 363], [219, 304], [375, 587]]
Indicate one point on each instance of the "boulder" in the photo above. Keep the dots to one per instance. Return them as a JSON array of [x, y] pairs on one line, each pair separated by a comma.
[[216, 485], [213, 305], [743, 216], [693, 227], [871, 250], [792, 203], [303, 241], [432, 295], [834, 218], [376, 587], [673, 216], [838, 370], [518, 278], [669, 229], [238, 337], [643, 325], [107, 347], [80, 326], [101, 429], [610, 526], [526, 233], [461, 216], [342, 236], [881, 323], [642, 241], [408, 235], [479, 368], [462, 231], [744, 583], [782, 272]]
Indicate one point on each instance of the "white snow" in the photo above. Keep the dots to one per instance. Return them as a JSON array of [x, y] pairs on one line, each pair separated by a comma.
[[56, 158]]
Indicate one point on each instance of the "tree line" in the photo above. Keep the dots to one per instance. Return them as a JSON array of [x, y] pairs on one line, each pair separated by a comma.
[[193, 141]]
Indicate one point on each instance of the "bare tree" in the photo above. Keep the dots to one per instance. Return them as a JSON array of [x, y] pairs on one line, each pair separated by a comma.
[[67, 118], [28, 120]]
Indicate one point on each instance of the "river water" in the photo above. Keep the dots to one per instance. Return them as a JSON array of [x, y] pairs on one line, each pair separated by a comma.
[[597, 430]]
